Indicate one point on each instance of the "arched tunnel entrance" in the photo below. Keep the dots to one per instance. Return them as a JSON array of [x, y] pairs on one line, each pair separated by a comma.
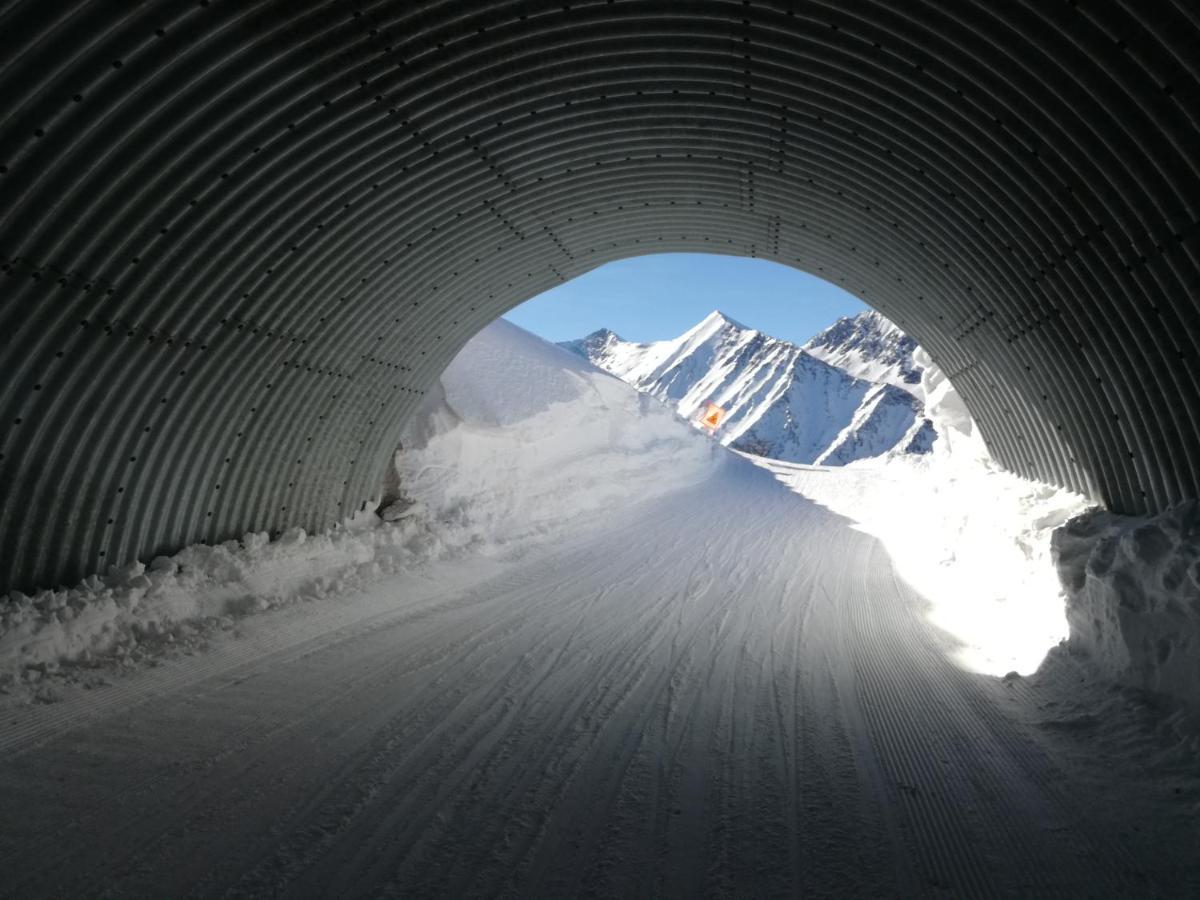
[[239, 241]]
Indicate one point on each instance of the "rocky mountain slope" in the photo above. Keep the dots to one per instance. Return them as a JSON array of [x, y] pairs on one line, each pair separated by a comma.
[[783, 401], [870, 347]]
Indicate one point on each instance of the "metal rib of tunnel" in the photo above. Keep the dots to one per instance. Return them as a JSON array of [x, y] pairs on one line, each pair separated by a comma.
[[239, 240]]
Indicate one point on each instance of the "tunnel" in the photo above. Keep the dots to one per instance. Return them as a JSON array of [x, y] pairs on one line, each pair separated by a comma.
[[240, 240]]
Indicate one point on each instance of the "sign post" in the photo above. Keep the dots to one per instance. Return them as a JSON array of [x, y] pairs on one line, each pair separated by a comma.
[[711, 417]]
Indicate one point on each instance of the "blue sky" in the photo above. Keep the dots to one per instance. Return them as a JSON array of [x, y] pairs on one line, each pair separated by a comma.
[[648, 298]]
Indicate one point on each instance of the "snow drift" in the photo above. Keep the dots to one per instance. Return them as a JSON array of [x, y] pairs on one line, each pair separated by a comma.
[[518, 438], [523, 436], [136, 611], [971, 538], [1133, 596]]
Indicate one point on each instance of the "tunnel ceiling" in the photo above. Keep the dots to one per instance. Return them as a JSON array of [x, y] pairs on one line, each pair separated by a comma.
[[240, 240]]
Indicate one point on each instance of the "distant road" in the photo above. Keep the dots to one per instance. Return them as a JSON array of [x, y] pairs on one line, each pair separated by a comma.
[[721, 692]]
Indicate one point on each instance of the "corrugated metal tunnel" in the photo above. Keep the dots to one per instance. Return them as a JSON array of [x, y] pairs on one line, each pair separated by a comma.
[[240, 239]]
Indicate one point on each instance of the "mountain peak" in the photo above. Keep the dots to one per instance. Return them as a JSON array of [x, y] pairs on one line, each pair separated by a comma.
[[862, 326], [594, 344], [602, 334], [779, 401], [870, 346], [716, 317], [715, 324]]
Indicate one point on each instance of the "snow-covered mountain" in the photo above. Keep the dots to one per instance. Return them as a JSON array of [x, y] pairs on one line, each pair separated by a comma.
[[781, 401], [870, 347]]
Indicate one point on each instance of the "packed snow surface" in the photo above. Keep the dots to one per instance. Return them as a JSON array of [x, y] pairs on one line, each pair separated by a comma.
[[781, 401], [562, 674]]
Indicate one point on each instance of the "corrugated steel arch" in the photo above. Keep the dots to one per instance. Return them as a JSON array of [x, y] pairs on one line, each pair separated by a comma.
[[238, 240]]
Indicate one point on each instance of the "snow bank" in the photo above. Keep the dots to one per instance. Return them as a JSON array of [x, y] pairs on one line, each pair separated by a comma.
[[136, 611], [1133, 596], [519, 439], [958, 437], [972, 539], [1014, 568], [525, 436], [1128, 587]]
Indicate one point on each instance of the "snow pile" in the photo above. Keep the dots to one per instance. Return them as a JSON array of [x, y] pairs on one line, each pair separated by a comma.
[[958, 435], [1133, 596], [137, 611], [524, 437], [520, 438], [1128, 587], [780, 400], [972, 539], [1012, 567]]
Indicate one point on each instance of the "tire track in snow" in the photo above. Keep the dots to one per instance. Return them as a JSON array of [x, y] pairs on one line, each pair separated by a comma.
[[751, 705], [973, 817]]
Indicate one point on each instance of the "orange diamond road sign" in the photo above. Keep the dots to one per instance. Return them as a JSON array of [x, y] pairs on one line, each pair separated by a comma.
[[712, 417]]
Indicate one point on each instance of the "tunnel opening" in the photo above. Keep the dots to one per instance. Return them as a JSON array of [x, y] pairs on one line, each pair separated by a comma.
[[851, 414], [240, 245], [851, 392]]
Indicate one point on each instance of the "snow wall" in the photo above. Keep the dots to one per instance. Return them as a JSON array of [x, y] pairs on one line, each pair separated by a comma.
[[1133, 596]]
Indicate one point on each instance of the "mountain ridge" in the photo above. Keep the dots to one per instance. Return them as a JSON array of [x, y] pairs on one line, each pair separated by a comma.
[[782, 400]]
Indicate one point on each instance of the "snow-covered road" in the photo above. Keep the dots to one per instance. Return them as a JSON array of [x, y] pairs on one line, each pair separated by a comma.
[[722, 691]]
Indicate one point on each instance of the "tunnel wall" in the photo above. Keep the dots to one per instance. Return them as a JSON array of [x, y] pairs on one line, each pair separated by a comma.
[[238, 240]]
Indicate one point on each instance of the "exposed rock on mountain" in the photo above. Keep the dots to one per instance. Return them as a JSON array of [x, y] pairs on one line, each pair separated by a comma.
[[781, 400]]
